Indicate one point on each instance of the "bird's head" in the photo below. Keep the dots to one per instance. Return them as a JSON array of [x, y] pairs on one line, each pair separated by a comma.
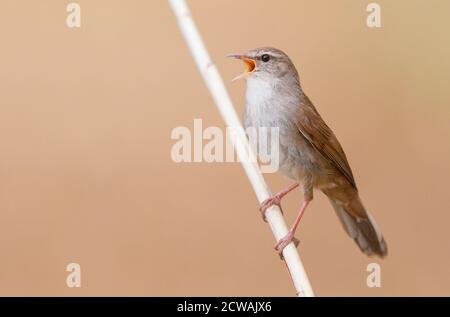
[[265, 63]]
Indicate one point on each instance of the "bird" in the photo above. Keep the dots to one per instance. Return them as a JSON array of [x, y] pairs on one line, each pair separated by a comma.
[[309, 152]]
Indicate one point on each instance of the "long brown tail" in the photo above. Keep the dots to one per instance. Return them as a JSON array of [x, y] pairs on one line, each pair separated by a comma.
[[363, 230]]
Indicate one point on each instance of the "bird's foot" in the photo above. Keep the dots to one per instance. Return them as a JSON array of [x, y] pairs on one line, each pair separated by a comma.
[[274, 200], [279, 247]]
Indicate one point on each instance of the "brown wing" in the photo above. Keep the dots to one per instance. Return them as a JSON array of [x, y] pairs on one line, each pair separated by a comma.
[[314, 129]]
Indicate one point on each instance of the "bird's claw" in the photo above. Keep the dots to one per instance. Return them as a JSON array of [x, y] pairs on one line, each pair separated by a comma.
[[279, 247], [266, 204]]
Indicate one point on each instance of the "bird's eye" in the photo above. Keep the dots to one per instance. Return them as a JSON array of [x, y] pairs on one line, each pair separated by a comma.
[[265, 58]]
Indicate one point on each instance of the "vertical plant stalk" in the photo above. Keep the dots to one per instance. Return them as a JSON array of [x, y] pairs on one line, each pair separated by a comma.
[[220, 95]]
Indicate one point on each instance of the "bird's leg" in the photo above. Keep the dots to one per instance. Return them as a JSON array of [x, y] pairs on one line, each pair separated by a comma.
[[275, 200], [279, 247]]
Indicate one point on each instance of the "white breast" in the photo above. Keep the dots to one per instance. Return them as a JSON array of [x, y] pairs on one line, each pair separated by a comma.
[[259, 110], [258, 91]]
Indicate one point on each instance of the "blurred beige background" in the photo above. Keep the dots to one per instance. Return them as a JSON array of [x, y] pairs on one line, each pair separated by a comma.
[[85, 168]]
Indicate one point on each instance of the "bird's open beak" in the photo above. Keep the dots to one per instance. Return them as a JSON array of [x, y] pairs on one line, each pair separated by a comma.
[[250, 65]]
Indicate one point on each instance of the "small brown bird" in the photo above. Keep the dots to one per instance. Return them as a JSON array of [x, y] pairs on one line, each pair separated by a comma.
[[309, 151]]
